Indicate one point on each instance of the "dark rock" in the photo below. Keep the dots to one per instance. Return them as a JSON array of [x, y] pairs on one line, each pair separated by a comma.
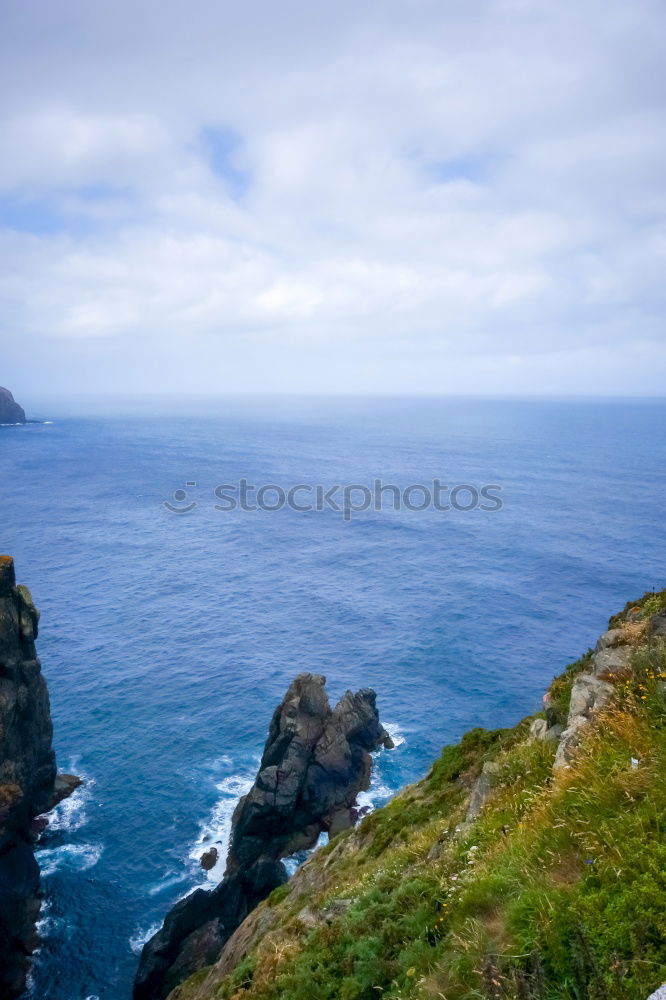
[[198, 926], [63, 786], [341, 820], [29, 785], [315, 762], [37, 827], [657, 624], [208, 859], [10, 411]]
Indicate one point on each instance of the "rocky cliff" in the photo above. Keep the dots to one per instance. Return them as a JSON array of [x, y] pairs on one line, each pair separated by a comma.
[[29, 783], [315, 762], [10, 411], [529, 863]]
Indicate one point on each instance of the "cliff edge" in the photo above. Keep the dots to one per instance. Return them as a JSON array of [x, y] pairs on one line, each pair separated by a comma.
[[10, 411], [528, 864], [315, 762], [29, 783]]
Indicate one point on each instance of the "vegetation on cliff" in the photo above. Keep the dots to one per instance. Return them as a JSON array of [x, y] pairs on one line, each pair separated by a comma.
[[552, 888], [315, 762]]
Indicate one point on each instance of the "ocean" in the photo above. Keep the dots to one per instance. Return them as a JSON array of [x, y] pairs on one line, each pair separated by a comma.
[[168, 636]]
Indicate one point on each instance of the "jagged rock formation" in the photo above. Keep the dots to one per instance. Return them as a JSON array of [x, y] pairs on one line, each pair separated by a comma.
[[29, 784], [591, 692], [10, 411], [315, 762], [421, 898]]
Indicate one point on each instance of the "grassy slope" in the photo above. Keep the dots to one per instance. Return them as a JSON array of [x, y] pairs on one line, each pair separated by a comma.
[[557, 891]]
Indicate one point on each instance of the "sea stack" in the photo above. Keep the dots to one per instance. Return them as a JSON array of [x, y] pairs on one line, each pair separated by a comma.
[[10, 411], [29, 782], [315, 762]]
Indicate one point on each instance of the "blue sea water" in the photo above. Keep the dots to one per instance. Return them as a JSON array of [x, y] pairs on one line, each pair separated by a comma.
[[167, 639]]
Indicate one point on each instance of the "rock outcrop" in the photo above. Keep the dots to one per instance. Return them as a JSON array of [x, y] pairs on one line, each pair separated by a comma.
[[593, 690], [482, 789], [315, 762], [588, 696], [29, 783], [419, 898], [10, 411]]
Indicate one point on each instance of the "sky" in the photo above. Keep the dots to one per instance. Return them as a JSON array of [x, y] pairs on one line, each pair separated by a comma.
[[405, 196]]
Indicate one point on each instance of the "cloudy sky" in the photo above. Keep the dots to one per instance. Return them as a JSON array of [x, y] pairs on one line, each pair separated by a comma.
[[407, 196]]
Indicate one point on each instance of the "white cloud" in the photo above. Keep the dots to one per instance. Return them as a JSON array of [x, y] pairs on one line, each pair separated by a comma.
[[480, 186]]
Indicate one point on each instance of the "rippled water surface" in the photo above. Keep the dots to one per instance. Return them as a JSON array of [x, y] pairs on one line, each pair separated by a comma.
[[167, 639]]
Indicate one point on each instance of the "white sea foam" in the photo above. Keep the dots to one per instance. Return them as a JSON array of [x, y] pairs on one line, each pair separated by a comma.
[[76, 857], [48, 925], [215, 831], [141, 935], [380, 790], [296, 860], [71, 814], [378, 793], [395, 732], [170, 879]]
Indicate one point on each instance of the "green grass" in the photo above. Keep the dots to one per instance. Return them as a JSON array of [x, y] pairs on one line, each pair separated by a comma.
[[560, 688], [557, 892], [278, 894]]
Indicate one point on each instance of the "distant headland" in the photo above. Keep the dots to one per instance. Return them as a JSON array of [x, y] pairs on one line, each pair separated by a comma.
[[10, 411]]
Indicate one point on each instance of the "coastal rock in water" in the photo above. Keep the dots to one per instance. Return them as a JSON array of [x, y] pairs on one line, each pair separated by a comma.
[[315, 762], [29, 784], [208, 859], [197, 928], [10, 411]]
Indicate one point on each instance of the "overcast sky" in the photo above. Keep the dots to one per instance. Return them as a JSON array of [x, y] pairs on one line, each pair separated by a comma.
[[300, 196]]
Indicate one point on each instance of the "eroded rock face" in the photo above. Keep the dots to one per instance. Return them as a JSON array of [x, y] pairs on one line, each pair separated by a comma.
[[10, 411], [197, 928], [29, 784], [315, 762], [589, 695], [540, 730], [482, 790]]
